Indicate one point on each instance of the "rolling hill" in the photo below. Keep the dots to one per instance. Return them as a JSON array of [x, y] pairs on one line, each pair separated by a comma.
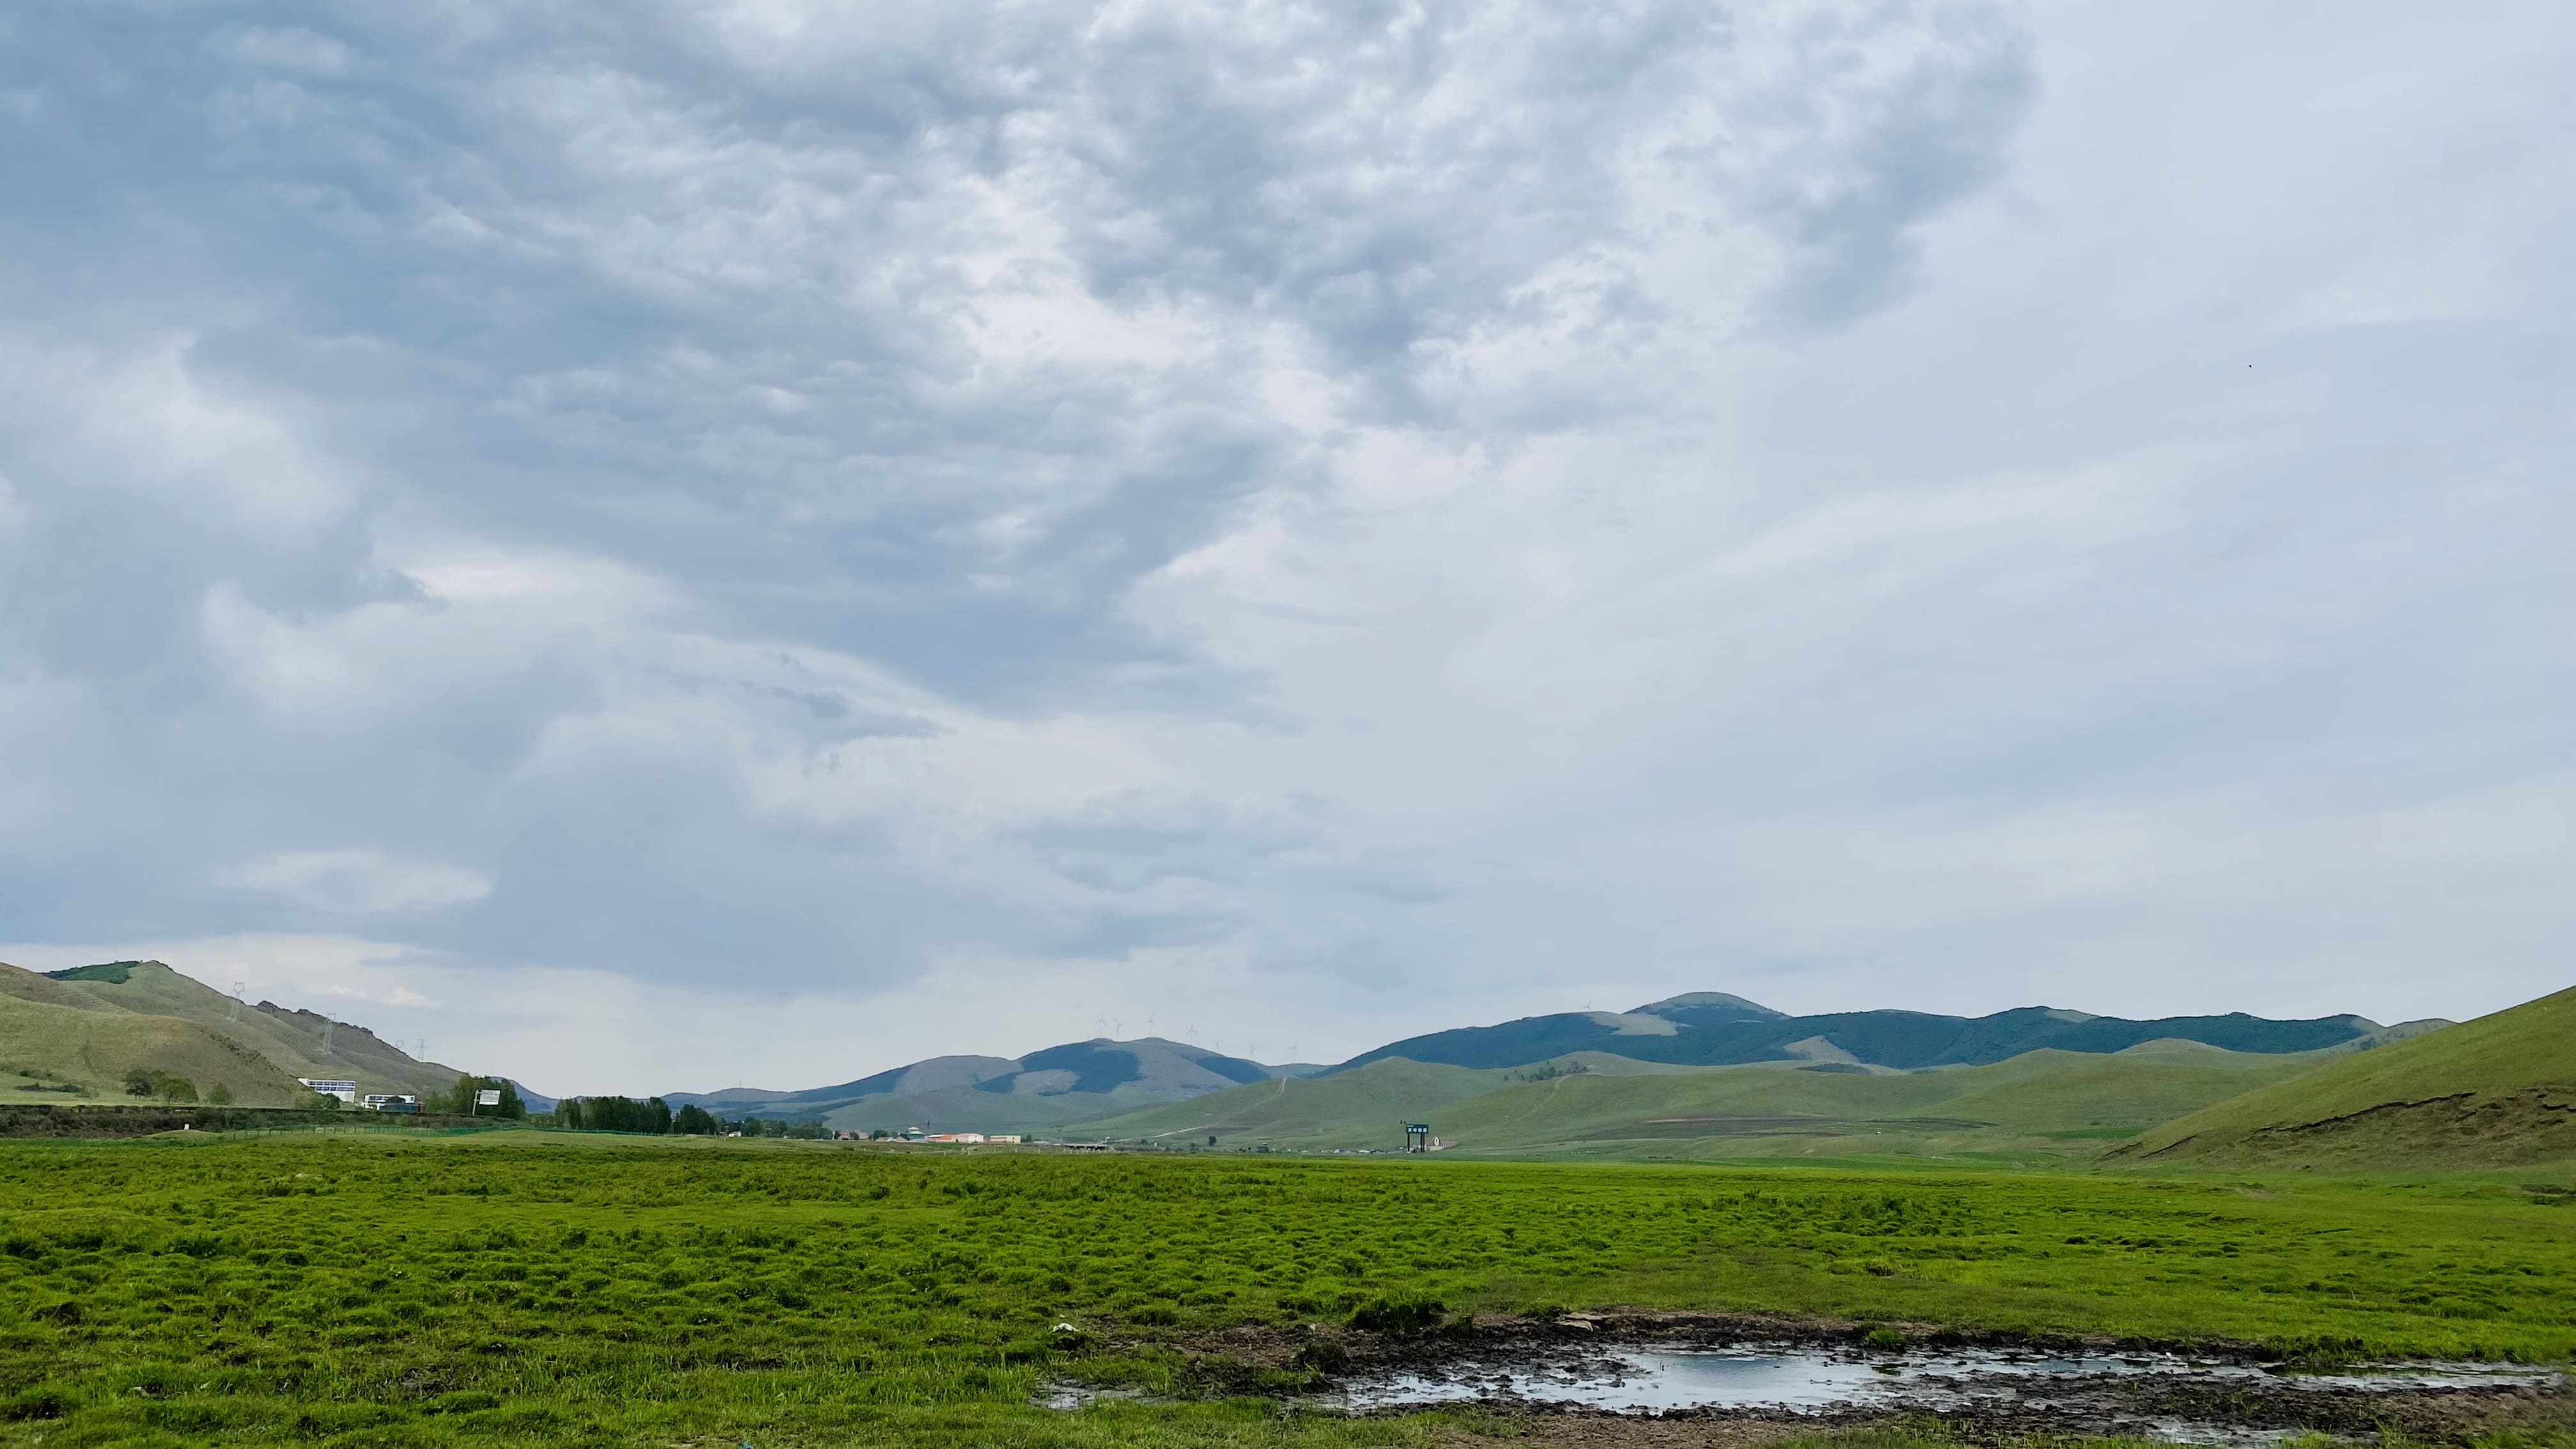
[[86, 1028], [1714, 1029], [1046, 1088], [1361, 1107], [2499, 1091], [2041, 1105], [1122, 1087]]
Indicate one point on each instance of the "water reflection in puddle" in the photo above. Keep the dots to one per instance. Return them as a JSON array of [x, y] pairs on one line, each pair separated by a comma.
[[1803, 1379], [1650, 1379]]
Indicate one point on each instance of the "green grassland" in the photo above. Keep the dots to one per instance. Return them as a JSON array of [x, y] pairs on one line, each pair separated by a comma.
[[87, 1030], [2497, 1091], [2035, 1108], [510, 1287]]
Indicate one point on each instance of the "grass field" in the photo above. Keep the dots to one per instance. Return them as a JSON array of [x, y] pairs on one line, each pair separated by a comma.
[[517, 1286]]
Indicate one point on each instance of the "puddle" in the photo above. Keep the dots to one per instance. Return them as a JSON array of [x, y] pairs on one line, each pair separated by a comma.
[[1654, 1379], [2127, 1389], [2160, 1396]]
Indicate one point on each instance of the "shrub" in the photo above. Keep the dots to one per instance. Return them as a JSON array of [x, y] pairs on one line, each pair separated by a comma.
[[144, 1082], [1884, 1338], [1323, 1356], [34, 1404], [1409, 1314]]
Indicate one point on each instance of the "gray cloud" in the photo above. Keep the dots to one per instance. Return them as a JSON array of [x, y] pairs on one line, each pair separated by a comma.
[[1429, 498]]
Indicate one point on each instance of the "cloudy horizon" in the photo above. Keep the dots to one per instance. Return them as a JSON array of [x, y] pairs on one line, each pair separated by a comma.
[[751, 543]]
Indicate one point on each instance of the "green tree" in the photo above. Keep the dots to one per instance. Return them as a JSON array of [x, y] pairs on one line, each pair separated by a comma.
[[221, 1095], [696, 1121], [616, 1114], [459, 1099], [175, 1089], [808, 1131]]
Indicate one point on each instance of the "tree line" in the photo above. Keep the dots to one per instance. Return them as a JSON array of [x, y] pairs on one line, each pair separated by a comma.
[[654, 1117]]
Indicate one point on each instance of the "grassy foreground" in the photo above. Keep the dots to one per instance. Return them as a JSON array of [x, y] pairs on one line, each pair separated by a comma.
[[521, 1287]]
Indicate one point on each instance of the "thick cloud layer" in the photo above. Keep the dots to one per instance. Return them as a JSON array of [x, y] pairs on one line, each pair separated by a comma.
[[1394, 509]]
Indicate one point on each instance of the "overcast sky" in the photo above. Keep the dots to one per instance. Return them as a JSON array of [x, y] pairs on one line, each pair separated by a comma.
[[660, 546]]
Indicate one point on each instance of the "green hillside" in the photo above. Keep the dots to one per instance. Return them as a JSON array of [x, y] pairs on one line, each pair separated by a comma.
[[1366, 1107], [2498, 1091], [2039, 1106], [87, 1028]]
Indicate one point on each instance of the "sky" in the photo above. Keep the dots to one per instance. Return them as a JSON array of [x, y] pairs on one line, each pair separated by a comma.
[[683, 545]]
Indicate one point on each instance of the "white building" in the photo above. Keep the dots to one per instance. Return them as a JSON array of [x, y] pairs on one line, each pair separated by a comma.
[[345, 1091]]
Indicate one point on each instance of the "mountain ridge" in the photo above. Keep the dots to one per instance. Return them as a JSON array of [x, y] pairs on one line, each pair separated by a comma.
[[1101, 1080], [88, 1027], [1741, 1033]]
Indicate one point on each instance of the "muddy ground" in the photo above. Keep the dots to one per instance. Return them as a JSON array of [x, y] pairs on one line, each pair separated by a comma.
[[1259, 1359]]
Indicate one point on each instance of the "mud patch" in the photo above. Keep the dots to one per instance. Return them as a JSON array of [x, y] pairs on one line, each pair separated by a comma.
[[1652, 1380], [2152, 1396]]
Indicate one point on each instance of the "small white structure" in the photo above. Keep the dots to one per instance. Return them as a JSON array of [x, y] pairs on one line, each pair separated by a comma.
[[345, 1091], [392, 1102]]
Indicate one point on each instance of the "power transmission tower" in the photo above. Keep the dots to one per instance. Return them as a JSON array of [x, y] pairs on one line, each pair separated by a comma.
[[327, 1024], [240, 990]]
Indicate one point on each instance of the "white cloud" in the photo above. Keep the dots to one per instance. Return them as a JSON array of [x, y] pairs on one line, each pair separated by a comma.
[[358, 882], [1398, 515]]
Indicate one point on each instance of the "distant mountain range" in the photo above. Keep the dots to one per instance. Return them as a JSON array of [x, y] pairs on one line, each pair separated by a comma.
[[1711, 1029], [1000, 1094], [1706, 1075], [1728, 1075], [1100, 1079]]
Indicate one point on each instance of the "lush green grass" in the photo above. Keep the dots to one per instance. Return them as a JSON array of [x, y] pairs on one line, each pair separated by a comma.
[[518, 1287], [2036, 1108], [2497, 1090]]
